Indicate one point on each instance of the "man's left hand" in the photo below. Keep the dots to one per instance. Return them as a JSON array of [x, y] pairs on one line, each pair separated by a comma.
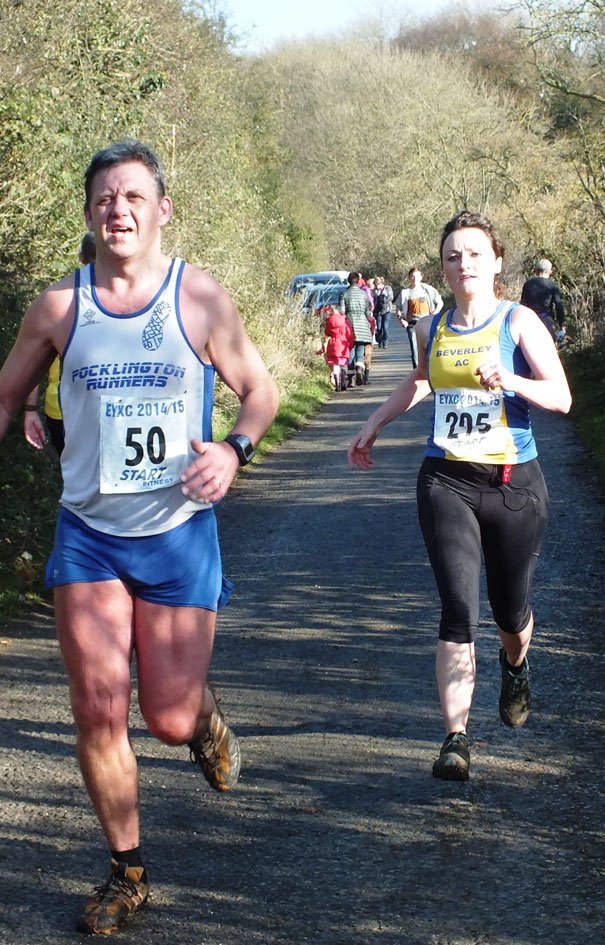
[[209, 476]]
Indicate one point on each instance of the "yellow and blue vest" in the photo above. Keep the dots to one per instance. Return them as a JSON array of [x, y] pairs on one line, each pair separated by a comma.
[[470, 423]]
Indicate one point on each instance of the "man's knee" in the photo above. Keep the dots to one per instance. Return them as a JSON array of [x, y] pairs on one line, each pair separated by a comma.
[[97, 709], [174, 726]]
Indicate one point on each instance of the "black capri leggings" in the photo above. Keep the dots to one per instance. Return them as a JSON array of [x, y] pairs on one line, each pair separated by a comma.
[[464, 509]]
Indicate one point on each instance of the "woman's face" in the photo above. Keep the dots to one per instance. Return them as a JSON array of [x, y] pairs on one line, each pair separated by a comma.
[[470, 264]]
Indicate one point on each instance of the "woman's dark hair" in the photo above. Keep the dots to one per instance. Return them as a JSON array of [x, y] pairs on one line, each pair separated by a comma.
[[465, 220], [123, 152]]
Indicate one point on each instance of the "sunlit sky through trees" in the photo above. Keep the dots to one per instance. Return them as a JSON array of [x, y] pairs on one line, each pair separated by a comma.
[[262, 23]]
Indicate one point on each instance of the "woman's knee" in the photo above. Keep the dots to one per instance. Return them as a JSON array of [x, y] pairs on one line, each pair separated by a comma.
[[456, 631], [514, 622]]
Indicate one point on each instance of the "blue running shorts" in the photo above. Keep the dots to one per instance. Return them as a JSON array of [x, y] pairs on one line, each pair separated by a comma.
[[179, 568]]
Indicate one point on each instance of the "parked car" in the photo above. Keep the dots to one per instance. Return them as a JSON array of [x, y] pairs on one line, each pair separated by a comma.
[[303, 280], [324, 295]]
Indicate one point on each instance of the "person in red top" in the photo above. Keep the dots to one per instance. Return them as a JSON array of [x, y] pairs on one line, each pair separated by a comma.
[[339, 338]]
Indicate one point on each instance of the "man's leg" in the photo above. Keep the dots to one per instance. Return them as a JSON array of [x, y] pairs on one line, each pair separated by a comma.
[[174, 648], [411, 330], [94, 625]]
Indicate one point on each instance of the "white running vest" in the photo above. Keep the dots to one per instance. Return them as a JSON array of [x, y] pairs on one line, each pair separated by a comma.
[[133, 394]]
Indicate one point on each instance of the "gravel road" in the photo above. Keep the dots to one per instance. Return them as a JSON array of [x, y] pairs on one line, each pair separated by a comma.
[[337, 834]]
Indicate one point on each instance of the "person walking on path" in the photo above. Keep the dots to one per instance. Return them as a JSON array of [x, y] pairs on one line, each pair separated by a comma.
[[417, 300], [382, 310], [480, 488], [33, 427], [336, 345], [543, 296], [356, 307], [136, 563]]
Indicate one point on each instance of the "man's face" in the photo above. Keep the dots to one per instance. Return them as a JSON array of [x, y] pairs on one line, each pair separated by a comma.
[[415, 278], [126, 212]]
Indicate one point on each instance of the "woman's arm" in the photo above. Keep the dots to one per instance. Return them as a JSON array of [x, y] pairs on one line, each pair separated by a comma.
[[412, 389], [547, 387]]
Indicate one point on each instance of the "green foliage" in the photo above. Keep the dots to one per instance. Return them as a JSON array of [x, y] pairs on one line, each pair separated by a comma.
[[391, 145], [586, 371], [29, 491]]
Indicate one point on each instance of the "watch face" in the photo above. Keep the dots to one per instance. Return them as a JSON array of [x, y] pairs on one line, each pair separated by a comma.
[[242, 446], [247, 448]]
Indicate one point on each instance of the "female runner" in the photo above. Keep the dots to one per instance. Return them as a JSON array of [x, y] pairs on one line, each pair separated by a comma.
[[480, 487]]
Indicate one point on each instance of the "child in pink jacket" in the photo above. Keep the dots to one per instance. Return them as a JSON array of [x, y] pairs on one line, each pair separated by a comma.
[[337, 343]]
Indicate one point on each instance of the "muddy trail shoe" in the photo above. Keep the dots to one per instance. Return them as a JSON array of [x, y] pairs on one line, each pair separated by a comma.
[[515, 695], [454, 759], [217, 752], [116, 901]]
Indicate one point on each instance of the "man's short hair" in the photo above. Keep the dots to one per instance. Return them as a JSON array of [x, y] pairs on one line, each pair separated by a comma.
[[123, 152], [414, 269], [544, 265], [353, 278]]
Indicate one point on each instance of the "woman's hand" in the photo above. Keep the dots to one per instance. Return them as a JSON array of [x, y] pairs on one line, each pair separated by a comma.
[[360, 450], [494, 375]]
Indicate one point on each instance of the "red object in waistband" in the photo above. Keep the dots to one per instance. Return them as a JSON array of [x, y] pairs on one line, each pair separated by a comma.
[[506, 471]]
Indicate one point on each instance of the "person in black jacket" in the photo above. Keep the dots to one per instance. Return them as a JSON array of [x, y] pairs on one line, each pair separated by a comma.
[[543, 296]]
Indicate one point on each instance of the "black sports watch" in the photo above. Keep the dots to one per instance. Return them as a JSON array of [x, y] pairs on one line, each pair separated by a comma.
[[242, 445]]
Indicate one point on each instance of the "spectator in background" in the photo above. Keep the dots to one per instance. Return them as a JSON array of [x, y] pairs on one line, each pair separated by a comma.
[[356, 306], [412, 303], [368, 287], [543, 296], [336, 344], [33, 428], [383, 295]]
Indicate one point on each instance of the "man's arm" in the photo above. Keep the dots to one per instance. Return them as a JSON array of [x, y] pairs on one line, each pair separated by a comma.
[[401, 307], [435, 300], [227, 345]]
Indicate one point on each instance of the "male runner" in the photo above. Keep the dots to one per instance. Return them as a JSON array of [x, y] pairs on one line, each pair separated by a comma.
[[136, 562]]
